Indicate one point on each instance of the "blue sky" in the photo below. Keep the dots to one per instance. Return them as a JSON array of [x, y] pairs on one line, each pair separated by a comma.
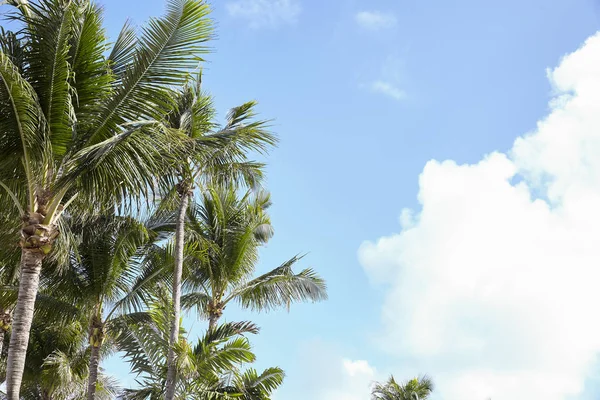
[[364, 95]]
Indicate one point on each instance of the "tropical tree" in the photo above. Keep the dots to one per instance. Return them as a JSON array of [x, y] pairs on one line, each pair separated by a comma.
[[105, 277], [79, 129], [414, 389], [57, 363], [225, 233], [208, 370], [224, 159]]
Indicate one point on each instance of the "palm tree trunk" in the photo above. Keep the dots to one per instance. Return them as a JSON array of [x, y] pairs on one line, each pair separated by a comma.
[[96, 338], [177, 273], [93, 374], [31, 266], [212, 321]]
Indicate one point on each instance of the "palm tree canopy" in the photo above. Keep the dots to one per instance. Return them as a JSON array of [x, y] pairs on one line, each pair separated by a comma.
[[57, 361], [106, 262], [75, 121], [207, 370], [414, 389], [225, 232]]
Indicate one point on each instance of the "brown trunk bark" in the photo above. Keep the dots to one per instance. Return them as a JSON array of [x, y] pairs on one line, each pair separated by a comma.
[[31, 266], [93, 375], [177, 274], [96, 338], [36, 243], [213, 319]]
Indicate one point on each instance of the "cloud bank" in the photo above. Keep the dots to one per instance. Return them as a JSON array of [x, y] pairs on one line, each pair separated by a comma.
[[493, 285]]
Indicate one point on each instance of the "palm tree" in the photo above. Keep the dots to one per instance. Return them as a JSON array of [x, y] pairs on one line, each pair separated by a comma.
[[106, 276], [225, 233], [225, 160], [250, 385], [415, 389], [57, 363], [208, 370], [79, 130]]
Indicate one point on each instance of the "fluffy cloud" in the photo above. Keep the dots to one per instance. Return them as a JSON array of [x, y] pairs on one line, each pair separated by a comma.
[[328, 375], [354, 380], [493, 283], [375, 20], [388, 89], [265, 13]]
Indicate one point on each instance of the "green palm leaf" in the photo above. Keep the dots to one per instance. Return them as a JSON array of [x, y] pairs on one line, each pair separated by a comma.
[[22, 126], [414, 389], [280, 287], [168, 48], [51, 25]]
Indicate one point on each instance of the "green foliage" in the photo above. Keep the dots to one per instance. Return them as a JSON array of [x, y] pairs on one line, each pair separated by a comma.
[[225, 232], [414, 389], [77, 122], [208, 369], [97, 144]]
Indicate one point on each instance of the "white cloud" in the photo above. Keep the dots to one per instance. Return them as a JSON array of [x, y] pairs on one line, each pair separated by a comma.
[[387, 88], [355, 378], [265, 13], [493, 284], [391, 77], [328, 375], [375, 20]]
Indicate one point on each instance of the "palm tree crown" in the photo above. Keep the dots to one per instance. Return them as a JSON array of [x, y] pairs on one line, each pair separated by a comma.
[[414, 389], [225, 233]]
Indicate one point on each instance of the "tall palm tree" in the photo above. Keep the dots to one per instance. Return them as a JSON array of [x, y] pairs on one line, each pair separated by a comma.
[[208, 370], [105, 275], [225, 159], [57, 363], [78, 129], [414, 389], [225, 233]]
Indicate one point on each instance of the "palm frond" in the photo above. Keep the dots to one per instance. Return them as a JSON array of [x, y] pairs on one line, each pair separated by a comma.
[[13, 46], [123, 52], [420, 387], [90, 78], [22, 127], [225, 331], [228, 160], [197, 301], [168, 48], [123, 167], [280, 287], [253, 386], [51, 25]]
